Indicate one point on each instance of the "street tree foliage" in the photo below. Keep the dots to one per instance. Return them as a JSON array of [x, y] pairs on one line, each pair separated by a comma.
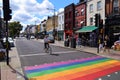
[[14, 28]]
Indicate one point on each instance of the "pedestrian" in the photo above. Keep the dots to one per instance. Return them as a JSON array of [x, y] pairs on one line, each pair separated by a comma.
[[100, 42], [107, 44], [46, 41], [83, 40], [79, 40], [68, 41], [2, 50]]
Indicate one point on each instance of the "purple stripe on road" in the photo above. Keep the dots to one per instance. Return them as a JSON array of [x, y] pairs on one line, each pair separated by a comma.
[[59, 63]]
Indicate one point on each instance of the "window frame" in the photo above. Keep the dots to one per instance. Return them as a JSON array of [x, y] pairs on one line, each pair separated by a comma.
[[91, 8], [99, 5]]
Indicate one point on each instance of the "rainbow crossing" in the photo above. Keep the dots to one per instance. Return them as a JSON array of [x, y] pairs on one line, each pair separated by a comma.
[[78, 69]]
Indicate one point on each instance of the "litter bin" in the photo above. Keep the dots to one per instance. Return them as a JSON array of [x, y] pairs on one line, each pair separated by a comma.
[[73, 43], [66, 43]]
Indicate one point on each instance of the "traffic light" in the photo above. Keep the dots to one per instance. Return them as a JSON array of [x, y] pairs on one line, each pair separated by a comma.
[[6, 10], [101, 23], [97, 20]]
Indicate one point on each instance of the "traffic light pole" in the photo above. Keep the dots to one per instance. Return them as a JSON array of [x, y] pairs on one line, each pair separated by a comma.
[[97, 24], [98, 38], [7, 44], [7, 16]]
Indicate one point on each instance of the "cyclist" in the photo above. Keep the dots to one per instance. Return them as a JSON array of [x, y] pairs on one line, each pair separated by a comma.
[[46, 41]]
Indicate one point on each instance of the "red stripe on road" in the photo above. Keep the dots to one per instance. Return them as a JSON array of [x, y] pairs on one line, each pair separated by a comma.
[[99, 74]]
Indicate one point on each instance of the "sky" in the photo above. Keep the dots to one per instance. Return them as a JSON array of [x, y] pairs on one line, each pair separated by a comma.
[[34, 11]]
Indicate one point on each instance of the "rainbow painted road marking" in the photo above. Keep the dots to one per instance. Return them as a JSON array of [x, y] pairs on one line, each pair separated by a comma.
[[79, 69]]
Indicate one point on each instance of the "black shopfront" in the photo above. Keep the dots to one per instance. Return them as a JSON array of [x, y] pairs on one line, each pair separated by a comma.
[[112, 27]]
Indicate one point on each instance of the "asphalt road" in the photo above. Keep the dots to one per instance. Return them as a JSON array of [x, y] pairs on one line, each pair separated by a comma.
[[32, 53]]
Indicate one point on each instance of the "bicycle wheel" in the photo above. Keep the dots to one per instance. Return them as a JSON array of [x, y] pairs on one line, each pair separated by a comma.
[[46, 50], [50, 50]]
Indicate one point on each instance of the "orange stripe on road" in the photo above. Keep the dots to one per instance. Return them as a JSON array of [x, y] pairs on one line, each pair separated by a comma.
[[77, 70]]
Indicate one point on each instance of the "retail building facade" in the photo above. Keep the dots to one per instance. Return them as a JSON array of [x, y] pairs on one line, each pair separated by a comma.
[[112, 11]]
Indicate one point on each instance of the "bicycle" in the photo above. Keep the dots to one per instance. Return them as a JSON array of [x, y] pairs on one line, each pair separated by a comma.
[[48, 49]]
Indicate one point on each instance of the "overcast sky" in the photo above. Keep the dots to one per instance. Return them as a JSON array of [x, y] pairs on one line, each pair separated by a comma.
[[34, 11]]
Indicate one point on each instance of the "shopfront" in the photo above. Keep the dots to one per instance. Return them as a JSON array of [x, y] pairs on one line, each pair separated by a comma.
[[68, 33], [60, 35], [88, 34], [112, 28]]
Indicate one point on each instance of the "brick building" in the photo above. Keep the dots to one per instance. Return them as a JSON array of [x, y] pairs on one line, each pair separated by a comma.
[[80, 15], [69, 21]]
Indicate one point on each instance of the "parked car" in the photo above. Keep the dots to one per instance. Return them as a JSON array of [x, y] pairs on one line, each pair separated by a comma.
[[32, 37], [51, 38], [10, 40], [116, 45]]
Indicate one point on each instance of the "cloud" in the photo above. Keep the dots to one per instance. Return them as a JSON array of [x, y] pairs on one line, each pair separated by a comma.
[[30, 11], [61, 10]]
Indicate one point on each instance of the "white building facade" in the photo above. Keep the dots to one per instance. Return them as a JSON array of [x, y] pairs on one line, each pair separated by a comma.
[[60, 28], [95, 7], [43, 26]]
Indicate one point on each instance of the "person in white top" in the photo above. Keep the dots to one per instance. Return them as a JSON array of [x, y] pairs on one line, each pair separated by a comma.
[[46, 41]]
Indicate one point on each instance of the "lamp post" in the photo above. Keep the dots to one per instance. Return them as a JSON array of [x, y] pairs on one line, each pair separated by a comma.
[[0, 22], [0, 11], [54, 31]]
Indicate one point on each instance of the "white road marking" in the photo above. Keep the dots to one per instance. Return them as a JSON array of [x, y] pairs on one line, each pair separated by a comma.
[[27, 55], [108, 75], [100, 79], [116, 72]]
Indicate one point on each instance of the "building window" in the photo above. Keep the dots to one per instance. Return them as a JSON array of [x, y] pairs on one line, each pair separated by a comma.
[[76, 23], [62, 26], [82, 23], [116, 3], [91, 21], [66, 15], [99, 5], [59, 18], [76, 13], [70, 14], [82, 12], [116, 6], [91, 8], [62, 17]]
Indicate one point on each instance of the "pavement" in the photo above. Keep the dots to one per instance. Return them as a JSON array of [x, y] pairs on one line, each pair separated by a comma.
[[14, 71]]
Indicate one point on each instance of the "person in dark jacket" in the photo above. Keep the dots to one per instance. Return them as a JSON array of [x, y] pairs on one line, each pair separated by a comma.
[[107, 44]]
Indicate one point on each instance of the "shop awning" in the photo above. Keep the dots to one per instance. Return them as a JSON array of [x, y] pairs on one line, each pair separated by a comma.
[[86, 29]]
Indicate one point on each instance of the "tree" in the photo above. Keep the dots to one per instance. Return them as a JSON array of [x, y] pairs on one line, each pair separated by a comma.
[[14, 29]]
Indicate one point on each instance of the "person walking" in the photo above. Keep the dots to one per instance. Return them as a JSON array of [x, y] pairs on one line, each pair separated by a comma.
[[46, 41], [79, 40], [107, 44], [100, 42]]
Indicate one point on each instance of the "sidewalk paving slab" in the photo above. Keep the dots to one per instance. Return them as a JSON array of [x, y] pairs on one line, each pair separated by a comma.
[[13, 71]]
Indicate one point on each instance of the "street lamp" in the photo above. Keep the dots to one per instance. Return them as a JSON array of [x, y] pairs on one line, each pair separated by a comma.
[[0, 21], [0, 11], [54, 31]]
